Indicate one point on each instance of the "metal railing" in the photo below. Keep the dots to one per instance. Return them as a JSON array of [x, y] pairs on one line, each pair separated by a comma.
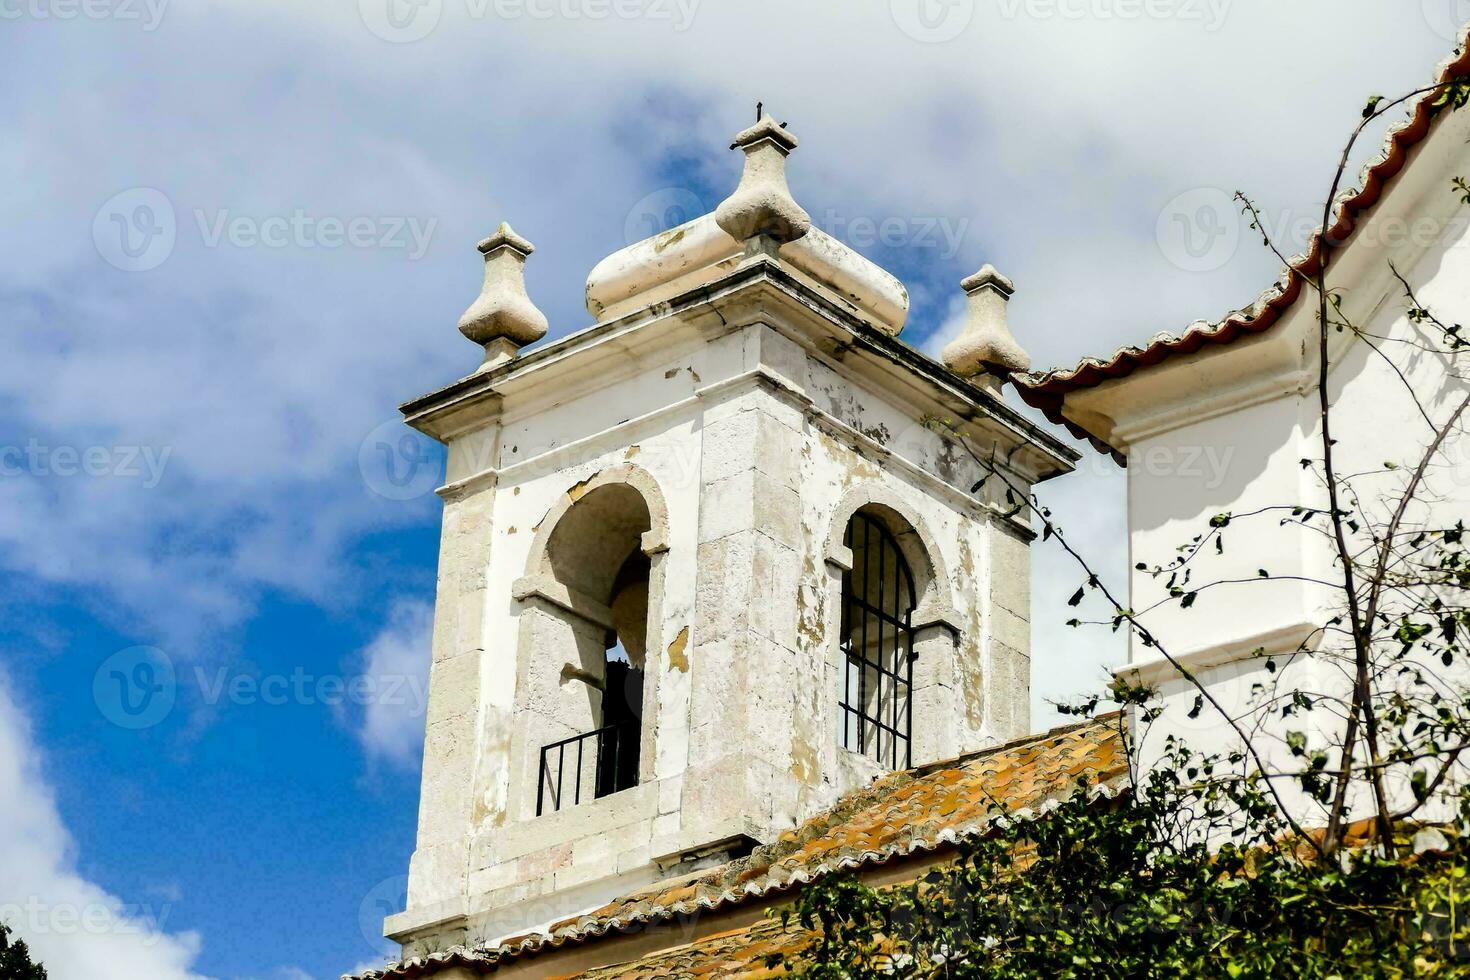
[[603, 764]]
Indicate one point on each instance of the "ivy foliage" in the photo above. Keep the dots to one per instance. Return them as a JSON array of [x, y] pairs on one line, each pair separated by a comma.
[[1187, 876], [1198, 868], [15, 958]]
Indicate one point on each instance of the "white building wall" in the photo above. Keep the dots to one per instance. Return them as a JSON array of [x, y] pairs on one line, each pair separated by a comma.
[[1225, 430]]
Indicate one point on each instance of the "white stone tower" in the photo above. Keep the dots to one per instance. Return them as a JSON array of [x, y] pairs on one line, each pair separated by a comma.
[[708, 563]]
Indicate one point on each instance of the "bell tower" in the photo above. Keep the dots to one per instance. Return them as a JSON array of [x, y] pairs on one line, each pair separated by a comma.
[[708, 563]]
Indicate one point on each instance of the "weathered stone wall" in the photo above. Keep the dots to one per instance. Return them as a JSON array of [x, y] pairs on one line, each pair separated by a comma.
[[751, 452]]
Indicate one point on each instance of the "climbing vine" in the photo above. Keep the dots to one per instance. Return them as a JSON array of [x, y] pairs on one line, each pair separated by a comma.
[[1329, 839]]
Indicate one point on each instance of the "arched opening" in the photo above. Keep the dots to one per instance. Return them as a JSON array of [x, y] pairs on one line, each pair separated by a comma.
[[877, 639], [588, 648], [623, 674]]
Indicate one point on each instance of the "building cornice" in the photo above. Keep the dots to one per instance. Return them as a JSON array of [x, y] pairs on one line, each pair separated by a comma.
[[760, 290]]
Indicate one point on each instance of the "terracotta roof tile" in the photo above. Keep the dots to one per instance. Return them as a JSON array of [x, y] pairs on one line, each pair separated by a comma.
[[903, 813], [1047, 391], [738, 953]]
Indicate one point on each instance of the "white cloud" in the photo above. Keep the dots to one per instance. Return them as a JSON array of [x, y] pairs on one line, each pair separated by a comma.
[[74, 927], [292, 973], [950, 327], [1055, 140], [395, 668]]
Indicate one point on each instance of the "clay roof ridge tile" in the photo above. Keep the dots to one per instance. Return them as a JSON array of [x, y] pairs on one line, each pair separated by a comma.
[[1044, 389]]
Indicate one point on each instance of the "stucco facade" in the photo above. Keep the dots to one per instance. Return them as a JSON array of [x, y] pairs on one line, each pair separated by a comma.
[[1234, 428]]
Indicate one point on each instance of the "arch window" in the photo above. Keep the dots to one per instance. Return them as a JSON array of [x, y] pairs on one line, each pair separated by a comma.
[[588, 650], [878, 600]]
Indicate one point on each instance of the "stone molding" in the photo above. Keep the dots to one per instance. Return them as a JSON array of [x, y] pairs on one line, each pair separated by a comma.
[[935, 604]]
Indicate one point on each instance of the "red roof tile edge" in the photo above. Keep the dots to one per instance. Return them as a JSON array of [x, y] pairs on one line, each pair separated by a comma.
[[775, 881], [1048, 390]]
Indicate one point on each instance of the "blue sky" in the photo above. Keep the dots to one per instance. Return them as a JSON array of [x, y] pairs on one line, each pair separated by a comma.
[[202, 483]]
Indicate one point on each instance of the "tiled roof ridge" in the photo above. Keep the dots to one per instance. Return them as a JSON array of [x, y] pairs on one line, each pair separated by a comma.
[[964, 758], [760, 874], [1046, 390]]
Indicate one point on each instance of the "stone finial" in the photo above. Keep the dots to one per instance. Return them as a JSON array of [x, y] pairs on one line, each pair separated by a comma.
[[986, 343], [762, 204], [503, 319]]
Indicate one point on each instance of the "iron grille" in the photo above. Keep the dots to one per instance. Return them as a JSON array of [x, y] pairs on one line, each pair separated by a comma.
[[878, 644], [576, 768]]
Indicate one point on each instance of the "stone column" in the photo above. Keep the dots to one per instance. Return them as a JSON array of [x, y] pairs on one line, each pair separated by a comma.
[[935, 709], [1008, 631], [743, 645], [437, 871]]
